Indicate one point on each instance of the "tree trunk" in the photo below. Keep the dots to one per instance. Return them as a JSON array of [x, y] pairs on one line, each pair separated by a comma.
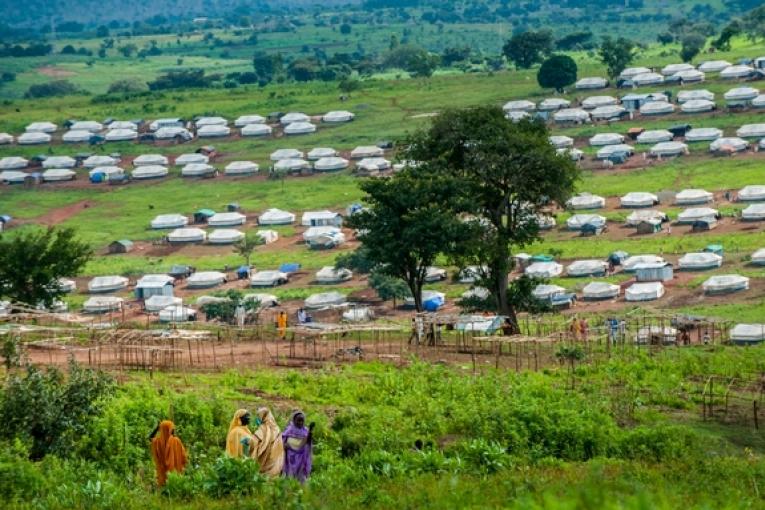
[[499, 276], [415, 287]]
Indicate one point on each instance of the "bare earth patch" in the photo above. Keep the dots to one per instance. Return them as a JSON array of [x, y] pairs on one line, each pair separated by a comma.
[[55, 72]]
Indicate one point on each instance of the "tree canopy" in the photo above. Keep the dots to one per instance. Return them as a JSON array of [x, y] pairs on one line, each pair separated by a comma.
[[528, 48], [557, 72], [616, 54], [31, 264]]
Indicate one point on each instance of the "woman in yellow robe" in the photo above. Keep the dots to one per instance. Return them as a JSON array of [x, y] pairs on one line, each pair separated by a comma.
[[239, 439], [268, 447], [167, 451]]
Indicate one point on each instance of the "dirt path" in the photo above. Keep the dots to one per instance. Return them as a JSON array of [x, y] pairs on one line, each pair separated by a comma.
[[60, 215], [55, 72]]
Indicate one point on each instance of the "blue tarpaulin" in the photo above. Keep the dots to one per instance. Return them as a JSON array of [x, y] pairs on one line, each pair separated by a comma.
[[289, 267]]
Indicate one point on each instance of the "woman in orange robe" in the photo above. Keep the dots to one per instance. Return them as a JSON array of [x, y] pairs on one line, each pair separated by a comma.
[[168, 451]]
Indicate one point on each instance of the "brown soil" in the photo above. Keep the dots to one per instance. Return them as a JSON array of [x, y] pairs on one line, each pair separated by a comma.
[[56, 216], [55, 72]]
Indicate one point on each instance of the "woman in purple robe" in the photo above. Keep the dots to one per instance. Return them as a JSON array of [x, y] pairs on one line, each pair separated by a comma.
[[298, 448]]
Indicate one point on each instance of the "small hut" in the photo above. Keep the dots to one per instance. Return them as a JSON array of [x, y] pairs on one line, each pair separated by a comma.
[[120, 246]]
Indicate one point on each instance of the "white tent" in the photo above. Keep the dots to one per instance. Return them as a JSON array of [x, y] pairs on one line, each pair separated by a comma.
[[657, 108], [256, 130], [553, 103], [690, 76], [149, 172], [291, 165], [577, 221], [358, 314], [268, 236], [167, 122], [213, 131], [522, 105], [159, 302], [693, 214], [476, 293], [573, 154], [187, 235], [246, 120], [737, 71], [544, 269], [87, 125], [167, 133], [633, 71], [313, 233], [545, 292], [268, 278], [281, 154], [226, 219], [655, 136], [517, 116], [613, 112], [630, 263], [587, 268], [97, 160], [321, 152], [600, 290], [107, 284], [689, 95], [225, 236], [329, 164], [41, 127], [700, 260], [729, 144], [207, 300], [6, 139], [108, 171], [338, 116], [102, 304], [373, 164], [758, 257], [571, 115], [741, 95], [747, 333], [602, 139], [471, 274], [197, 170], [79, 136], [299, 128], [169, 221], [367, 151], [703, 134], [647, 334], [671, 69], [755, 212], [591, 83], [697, 106], [13, 163], [644, 79], [291, 117], [759, 101], [177, 313], [713, 66], [613, 150], [586, 201], [329, 274], [120, 135], [33, 138], [639, 199], [325, 300], [751, 193], [59, 162], [192, 158], [595, 101], [204, 279], [122, 124], [693, 196], [721, 284], [150, 159], [669, 149], [264, 300], [561, 141], [751, 131], [641, 215], [241, 168], [210, 121], [649, 291], [435, 274], [276, 217], [58, 175]]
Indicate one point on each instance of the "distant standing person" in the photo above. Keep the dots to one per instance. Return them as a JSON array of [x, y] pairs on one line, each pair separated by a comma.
[[167, 451], [298, 448], [281, 324], [239, 439], [268, 448]]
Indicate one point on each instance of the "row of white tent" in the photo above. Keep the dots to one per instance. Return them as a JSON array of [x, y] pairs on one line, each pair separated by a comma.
[[722, 145], [636, 199], [268, 217]]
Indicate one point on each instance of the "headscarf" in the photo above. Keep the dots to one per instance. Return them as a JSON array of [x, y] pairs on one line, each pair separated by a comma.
[[237, 432], [269, 449], [168, 452], [297, 463]]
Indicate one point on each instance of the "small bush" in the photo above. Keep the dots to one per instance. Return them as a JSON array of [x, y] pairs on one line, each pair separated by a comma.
[[51, 89]]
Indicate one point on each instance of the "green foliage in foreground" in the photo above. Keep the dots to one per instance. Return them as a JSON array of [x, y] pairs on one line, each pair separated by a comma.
[[498, 440]]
